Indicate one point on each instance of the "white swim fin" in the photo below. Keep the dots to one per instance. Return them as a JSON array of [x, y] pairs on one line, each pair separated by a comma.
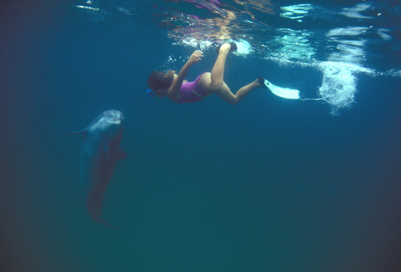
[[279, 91]]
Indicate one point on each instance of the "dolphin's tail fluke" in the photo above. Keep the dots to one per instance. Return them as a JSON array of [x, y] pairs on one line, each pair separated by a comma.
[[94, 203], [105, 223]]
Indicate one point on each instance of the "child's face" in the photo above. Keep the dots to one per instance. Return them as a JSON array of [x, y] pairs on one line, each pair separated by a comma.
[[161, 93]]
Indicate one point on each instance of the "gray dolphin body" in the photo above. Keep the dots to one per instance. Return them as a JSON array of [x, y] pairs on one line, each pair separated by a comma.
[[100, 151]]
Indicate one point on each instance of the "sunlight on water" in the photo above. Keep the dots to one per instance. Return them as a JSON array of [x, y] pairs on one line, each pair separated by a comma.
[[86, 7], [292, 44], [200, 44], [356, 11], [296, 12], [350, 45]]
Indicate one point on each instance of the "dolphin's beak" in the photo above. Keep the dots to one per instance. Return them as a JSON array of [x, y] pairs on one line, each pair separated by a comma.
[[114, 121], [114, 116]]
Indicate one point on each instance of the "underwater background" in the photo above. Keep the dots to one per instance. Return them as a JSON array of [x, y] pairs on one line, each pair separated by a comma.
[[269, 184]]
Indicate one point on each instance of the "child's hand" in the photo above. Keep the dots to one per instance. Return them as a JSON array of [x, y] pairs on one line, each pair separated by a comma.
[[195, 57]]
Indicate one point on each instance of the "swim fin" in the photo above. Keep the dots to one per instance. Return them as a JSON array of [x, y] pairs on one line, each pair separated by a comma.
[[233, 47], [279, 91]]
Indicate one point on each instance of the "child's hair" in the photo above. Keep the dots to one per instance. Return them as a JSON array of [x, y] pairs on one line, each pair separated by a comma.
[[159, 80]]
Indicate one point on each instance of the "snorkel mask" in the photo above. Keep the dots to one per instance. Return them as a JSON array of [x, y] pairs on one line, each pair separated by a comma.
[[150, 92]]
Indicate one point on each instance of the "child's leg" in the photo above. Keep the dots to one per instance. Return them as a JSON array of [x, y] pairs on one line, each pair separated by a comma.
[[217, 84], [226, 94], [217, 75]]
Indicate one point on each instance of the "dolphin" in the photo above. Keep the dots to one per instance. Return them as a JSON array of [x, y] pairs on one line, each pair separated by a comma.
[[100, 151]]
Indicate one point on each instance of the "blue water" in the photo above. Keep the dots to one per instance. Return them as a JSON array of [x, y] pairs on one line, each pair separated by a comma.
[[269, 184]]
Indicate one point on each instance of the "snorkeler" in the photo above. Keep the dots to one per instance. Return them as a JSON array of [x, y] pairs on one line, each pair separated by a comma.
[[179, 90]]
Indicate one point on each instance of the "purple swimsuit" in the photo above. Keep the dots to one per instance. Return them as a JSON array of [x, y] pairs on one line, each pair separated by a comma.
[[191, 92]]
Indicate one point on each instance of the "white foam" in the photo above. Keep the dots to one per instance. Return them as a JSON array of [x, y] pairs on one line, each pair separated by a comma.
[[243, 48], [193, 42], [339, 85], [204, 45]]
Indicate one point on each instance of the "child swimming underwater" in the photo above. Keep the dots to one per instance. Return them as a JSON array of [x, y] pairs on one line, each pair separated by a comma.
[[179, 90]]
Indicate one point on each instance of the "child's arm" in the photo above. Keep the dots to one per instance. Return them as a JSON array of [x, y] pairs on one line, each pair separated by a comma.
[[174, 90]]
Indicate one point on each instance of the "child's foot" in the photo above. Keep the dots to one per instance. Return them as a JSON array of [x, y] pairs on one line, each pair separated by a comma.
[[226, 46], [263, 83]]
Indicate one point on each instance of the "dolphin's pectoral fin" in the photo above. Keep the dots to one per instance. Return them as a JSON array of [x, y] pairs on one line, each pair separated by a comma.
[[84, 132], [75, 132]]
